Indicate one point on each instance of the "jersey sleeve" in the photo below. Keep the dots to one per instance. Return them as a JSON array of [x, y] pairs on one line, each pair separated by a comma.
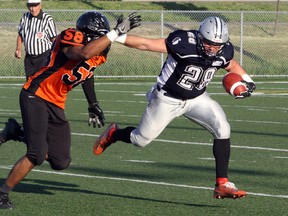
[[51, 28], [21, 24], [181, 44], [175, 42], [72, 37]]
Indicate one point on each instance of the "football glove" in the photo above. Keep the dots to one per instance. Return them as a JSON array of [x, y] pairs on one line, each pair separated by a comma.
[[96, 115], [250, 88], [126, 24]]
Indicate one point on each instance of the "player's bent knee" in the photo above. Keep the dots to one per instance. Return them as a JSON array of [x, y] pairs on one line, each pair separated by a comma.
[[223, 132], [141, 144], [60, 165], [139, 140], [36, 161]]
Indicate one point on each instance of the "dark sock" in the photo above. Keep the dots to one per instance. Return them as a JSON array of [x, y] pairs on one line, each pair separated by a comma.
[[221, 152], [123, 134], [5, 189]]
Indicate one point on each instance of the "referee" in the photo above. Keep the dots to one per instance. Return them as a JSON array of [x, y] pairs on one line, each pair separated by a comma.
[[37, 31]]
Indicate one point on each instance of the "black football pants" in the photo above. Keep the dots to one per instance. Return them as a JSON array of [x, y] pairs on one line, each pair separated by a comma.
[[47, 132]]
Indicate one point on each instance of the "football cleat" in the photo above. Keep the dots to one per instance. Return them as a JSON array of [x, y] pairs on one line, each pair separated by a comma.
[[105, 139], [228, 190], [5, 202], [12, 130]]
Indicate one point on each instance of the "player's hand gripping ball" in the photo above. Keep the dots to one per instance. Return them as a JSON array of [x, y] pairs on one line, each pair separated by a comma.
[[233, 85]]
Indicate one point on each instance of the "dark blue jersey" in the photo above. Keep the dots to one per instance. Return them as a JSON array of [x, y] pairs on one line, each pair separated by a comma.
[[186, 72]]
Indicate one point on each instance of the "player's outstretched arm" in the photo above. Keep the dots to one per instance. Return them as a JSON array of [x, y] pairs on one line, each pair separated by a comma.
[[95, 47], [146, 44], [138, 42]]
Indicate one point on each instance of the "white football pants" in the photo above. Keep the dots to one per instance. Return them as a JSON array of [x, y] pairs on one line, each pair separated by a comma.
[[161, 110]]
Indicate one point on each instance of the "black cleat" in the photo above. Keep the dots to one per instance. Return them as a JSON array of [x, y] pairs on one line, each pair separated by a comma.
[[5, 202], [12, 130]]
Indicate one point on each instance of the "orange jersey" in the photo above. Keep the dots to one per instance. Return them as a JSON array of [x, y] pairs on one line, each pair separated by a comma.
[[53, 82]]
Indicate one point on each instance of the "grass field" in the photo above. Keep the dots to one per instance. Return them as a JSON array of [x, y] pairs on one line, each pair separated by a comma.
[[174, 175]]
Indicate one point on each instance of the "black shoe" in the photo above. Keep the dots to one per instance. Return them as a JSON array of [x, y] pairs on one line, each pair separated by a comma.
[[5, 202], [12, 131]]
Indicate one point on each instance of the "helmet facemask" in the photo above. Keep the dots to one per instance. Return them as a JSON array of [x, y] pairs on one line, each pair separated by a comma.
[[208, 48]]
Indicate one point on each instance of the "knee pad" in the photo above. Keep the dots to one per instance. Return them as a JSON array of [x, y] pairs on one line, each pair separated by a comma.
[[138, 139], [59, 165], [35, 160], [223, 131]]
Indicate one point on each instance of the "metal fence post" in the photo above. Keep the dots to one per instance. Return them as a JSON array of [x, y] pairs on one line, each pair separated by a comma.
[[162, 35], [241, 39]]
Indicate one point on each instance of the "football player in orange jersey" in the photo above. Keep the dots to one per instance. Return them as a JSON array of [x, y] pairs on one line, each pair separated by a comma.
[[75, 55]]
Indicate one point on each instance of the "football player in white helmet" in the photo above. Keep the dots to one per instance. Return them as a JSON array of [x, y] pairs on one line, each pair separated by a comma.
[[193, 58]]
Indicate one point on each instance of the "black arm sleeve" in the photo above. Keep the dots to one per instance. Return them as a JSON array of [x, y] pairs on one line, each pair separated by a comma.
[[89, 90]]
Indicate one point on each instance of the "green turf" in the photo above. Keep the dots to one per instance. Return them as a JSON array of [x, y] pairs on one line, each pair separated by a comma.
[[174, 175]]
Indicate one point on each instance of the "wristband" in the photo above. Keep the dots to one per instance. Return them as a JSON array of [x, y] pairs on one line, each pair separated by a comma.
[[112, 35], [247, 78], [121, 39]]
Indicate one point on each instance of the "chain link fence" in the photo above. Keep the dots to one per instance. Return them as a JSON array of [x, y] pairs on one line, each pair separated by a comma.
[[260, 40]]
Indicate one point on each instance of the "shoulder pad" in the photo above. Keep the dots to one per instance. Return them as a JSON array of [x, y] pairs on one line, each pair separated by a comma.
[[182, 43], [72, 37], [228, 51]]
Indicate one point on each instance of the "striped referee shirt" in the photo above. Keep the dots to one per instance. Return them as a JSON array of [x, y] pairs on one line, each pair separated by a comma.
[[37, 32]]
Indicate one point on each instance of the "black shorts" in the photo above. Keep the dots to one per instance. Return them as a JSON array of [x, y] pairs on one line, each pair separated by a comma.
[[47, 132], [32, 64]]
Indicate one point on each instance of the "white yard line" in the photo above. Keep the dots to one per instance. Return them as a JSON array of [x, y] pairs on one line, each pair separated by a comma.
[[210, 144], [195, 143], [144, 182]]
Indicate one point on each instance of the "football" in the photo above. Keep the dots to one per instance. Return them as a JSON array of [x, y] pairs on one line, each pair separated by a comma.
[[233, 85]]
